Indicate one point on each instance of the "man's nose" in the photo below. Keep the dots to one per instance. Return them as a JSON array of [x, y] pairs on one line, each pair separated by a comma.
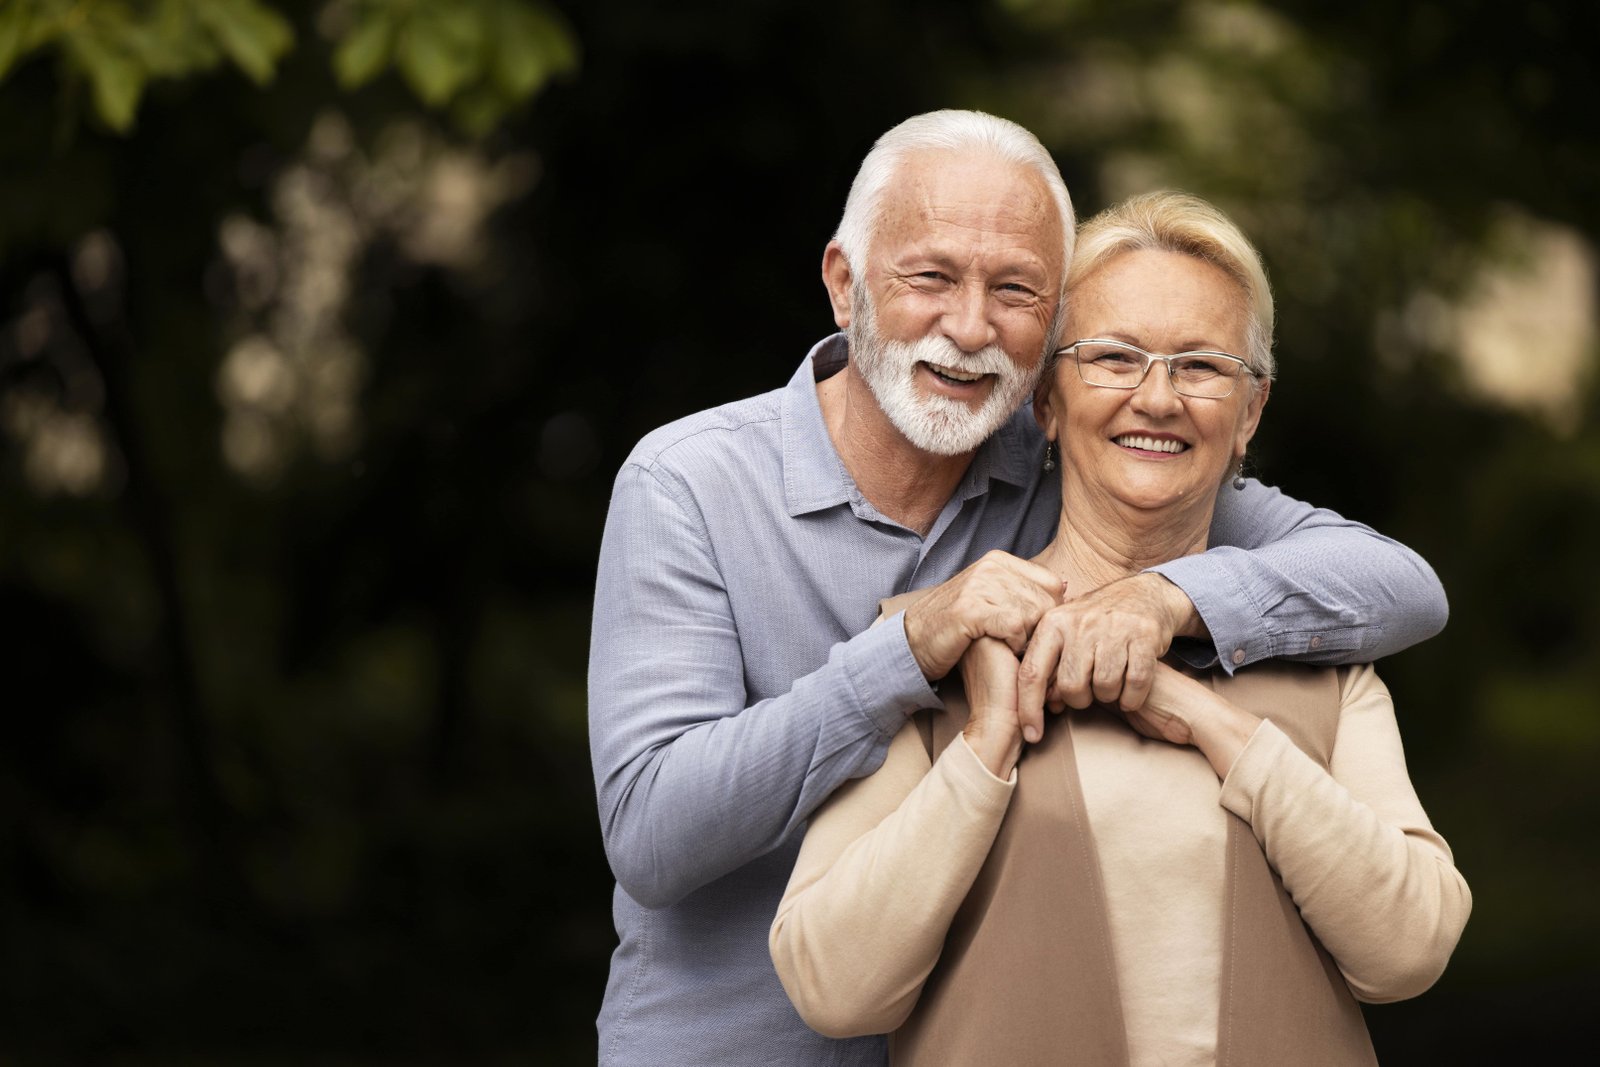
[[966, 319]]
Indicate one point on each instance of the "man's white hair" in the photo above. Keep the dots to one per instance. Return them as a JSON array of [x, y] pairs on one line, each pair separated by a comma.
[[947, 131]]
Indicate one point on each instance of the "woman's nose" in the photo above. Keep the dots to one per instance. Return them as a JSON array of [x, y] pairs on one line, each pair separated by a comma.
[[1155, 394]]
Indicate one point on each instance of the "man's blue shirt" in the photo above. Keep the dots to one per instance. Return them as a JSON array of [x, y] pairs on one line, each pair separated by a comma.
[[735, 677]]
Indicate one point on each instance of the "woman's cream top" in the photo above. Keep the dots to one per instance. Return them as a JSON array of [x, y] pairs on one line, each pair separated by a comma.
[[888, 859]]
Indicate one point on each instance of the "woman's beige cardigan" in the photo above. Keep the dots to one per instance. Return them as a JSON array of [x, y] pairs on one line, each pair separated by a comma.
[[1114, 902]]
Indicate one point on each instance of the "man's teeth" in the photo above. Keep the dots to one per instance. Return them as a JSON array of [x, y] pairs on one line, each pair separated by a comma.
[[953, 374], [1150, 444]]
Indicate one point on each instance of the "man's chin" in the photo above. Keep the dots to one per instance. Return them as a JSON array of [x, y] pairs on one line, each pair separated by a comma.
[[945, 437]]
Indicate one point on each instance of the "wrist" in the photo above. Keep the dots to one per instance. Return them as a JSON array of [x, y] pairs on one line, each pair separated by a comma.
[[1183, 617], [916, 642], [1221, 733], [997, 747]]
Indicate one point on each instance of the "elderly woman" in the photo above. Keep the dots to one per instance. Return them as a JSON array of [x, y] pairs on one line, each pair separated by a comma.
[[1217, 877]]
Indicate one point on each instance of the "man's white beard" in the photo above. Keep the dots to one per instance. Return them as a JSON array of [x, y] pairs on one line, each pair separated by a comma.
[[938, 424]]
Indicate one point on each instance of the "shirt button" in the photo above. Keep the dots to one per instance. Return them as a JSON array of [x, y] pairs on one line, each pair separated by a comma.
[[1238, 656], [1316, 642]]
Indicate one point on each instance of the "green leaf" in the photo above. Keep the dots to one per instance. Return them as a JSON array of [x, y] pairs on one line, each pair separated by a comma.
[[530, 46], [519, 63], [366, 49], [116, 80], [438, 52], [255, 37], [176, 43]]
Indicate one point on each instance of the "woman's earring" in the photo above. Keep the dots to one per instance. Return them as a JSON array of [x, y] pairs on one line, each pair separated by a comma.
[[1238, 474], [1049, 456]]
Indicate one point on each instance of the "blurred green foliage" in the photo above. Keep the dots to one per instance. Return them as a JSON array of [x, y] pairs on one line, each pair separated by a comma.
[[482, 58], [312, 383], [118, 47]]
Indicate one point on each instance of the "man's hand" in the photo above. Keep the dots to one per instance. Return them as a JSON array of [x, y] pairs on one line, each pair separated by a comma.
[[1104, 645], [999, 596]]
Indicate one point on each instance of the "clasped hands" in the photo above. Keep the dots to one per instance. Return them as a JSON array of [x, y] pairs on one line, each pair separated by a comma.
[[1104, 646]]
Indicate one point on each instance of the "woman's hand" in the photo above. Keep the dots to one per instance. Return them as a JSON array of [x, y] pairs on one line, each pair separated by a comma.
[[1185, 711], [994, 731]]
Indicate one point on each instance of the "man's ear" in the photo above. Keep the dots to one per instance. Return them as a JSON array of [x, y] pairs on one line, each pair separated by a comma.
[[837, 277]]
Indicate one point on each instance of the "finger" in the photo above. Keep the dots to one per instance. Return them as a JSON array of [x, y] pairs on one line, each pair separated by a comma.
[[1142, 657], [1009, 615], [1010, 627], [1030, 715], [1044, 579], [1017, 607], [1037, 670], [1110, 665], [1073, 675], [1007, 580]]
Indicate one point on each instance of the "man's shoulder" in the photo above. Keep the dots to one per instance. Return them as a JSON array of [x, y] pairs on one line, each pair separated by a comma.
[[710, 437]]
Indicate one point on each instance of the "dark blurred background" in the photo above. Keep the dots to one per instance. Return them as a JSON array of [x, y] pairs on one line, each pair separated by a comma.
[[324, 327]]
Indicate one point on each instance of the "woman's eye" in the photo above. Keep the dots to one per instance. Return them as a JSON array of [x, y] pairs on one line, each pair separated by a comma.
[[1200, 368], [1115, 359]]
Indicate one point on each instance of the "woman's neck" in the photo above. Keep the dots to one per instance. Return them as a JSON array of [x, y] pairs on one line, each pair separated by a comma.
[[1101, 539]]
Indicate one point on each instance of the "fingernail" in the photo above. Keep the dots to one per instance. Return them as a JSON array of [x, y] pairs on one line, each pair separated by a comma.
[[1030, 733]]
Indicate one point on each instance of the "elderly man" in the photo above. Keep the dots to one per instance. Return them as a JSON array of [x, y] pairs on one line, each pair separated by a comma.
[[736, 677]]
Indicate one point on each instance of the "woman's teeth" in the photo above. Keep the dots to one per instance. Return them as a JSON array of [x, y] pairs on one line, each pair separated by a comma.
[[1150, 444]]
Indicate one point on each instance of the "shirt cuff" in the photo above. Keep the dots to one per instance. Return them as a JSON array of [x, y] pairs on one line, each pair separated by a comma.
[[1229, 612], [885, 676]]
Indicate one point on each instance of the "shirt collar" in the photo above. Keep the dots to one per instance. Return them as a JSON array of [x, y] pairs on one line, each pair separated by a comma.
[[814, 476]]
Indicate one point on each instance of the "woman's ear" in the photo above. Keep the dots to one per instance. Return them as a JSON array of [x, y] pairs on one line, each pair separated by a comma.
[[837, 278], [1251, 418], [1046, 404]]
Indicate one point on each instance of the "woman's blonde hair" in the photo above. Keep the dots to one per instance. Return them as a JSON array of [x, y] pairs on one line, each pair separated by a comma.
[[1169, 221]]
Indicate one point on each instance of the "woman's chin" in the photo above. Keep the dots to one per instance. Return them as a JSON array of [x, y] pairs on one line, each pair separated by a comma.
[[1161, 495]]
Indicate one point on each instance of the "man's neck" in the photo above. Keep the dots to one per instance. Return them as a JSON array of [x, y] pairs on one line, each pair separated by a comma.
[[902, 481]]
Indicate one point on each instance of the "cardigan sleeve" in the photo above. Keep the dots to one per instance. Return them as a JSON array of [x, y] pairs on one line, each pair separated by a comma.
[[1372, 878], [885, 865]]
